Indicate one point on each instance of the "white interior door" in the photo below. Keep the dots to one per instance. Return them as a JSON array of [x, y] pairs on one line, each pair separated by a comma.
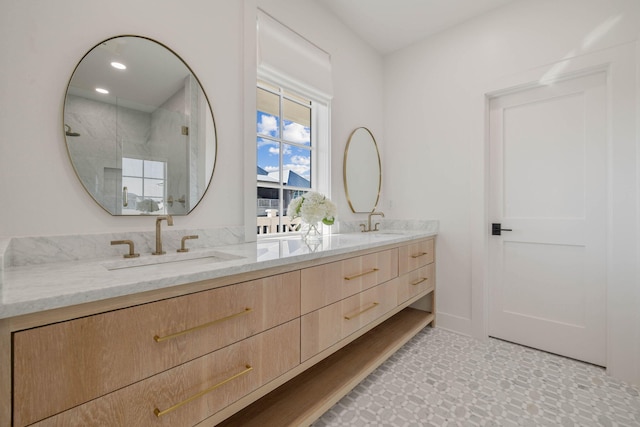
[[548, 184]]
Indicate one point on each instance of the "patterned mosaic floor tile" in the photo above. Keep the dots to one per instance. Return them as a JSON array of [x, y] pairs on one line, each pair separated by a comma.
[[440, 378]]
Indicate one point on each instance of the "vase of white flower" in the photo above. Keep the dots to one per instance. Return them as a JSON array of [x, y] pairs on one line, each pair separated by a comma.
[[312, 233], [314, 209]]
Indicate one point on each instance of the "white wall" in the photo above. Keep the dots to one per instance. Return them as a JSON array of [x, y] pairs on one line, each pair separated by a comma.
[[435, 122], [41, 42]]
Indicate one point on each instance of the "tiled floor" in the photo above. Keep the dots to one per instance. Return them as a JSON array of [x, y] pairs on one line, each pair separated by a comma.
[[444, 379]]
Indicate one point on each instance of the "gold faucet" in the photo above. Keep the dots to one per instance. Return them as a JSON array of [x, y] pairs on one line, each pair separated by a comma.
[[132, 253], [183, 246], [169, 219], [368, 228]]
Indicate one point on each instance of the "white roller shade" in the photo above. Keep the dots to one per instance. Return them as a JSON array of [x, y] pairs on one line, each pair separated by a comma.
[[283, 52]]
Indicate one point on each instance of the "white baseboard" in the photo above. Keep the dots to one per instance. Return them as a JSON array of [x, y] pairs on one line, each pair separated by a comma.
[[453, 323]]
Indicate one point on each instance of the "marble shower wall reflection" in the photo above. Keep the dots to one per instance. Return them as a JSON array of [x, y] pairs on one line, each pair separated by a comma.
[[109, 132]]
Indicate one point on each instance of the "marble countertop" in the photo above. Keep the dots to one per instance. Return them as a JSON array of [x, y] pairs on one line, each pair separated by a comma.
[[33, 288]]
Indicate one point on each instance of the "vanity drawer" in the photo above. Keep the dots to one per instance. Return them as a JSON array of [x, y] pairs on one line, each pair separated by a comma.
[[189, 393], [324, 327], [415, 255], [325, 284], [415, 282], [63, 365]]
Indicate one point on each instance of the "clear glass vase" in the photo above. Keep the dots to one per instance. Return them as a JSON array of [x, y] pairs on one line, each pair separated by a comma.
[[312, 232]]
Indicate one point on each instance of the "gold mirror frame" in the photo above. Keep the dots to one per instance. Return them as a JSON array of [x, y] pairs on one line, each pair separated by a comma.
[[198, 130], [362, 171]]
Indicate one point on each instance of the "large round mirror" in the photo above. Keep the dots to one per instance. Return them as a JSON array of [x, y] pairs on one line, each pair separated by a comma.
[[362, 171], [139, 128]]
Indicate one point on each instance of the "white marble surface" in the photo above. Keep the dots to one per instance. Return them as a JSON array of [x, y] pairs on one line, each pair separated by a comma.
[[4, 246], [23, 251], [388, 224], [36, 287]]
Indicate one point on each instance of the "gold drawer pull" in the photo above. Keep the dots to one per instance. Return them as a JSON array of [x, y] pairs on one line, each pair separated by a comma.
[[420, 254], [374, 305], [424, 279], [160, 413], [355, 276], [206, 325]]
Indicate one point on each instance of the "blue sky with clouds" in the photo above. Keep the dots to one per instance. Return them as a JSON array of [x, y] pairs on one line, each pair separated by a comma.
[[295, 158]]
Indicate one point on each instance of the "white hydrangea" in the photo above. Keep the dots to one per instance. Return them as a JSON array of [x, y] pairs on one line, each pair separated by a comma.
[[313, 207], [294, 207]]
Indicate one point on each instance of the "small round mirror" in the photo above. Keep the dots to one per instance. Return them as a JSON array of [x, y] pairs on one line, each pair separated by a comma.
[[362, 171], [139, 128]]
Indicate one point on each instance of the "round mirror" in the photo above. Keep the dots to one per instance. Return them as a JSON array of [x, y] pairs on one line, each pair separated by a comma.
[[139, 128], [362, 171]]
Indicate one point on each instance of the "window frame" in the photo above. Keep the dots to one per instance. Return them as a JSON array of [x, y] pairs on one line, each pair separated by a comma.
[[320, 136], [144, 178]]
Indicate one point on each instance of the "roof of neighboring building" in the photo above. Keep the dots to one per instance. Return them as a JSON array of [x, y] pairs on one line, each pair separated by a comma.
[[289, 178]]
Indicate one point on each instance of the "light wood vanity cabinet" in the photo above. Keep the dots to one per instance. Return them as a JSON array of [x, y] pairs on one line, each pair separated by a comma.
[[217, 355], [416, 282], [416, 255], [164, 399], [325, 284], [344, 341], [328, 325], [65, 364]]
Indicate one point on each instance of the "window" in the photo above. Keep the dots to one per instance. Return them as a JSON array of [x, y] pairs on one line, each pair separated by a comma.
[[294, 92], [145, 184], [288, 150]]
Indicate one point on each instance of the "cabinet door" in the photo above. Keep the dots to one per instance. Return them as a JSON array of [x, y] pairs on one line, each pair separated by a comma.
[[415, 255], [325, 284], [415, 282], [63, 365], [189, 393], [322, 328]]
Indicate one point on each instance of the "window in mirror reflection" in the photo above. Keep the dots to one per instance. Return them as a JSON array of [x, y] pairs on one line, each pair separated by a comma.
[[284, 151], [144, 181]]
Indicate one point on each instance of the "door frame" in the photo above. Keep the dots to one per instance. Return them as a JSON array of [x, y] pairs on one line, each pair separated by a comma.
[[623, 229]]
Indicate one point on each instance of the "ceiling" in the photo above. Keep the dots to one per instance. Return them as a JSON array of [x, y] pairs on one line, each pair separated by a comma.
[[153, 75], [389, 25]]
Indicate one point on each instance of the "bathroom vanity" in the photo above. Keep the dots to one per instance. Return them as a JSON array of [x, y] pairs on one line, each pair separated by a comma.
[[268, 333]]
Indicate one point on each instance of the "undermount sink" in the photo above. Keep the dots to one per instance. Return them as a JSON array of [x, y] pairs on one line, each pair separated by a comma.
[[378, 233], [174, 260]]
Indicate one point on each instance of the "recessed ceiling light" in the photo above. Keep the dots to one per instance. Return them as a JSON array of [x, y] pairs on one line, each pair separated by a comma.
[[103, 91], [118, 65]]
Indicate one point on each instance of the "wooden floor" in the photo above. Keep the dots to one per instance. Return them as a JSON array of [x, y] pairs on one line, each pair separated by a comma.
[[302, 400]]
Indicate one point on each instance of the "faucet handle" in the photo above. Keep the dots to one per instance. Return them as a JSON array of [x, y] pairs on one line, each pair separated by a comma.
[[183, 247], [131, 253]]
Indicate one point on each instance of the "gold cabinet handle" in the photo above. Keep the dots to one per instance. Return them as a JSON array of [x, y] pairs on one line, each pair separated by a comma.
[[206, 325], [353, 316], [420, 254], [424, 279], [160, 413], [355, 276]]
